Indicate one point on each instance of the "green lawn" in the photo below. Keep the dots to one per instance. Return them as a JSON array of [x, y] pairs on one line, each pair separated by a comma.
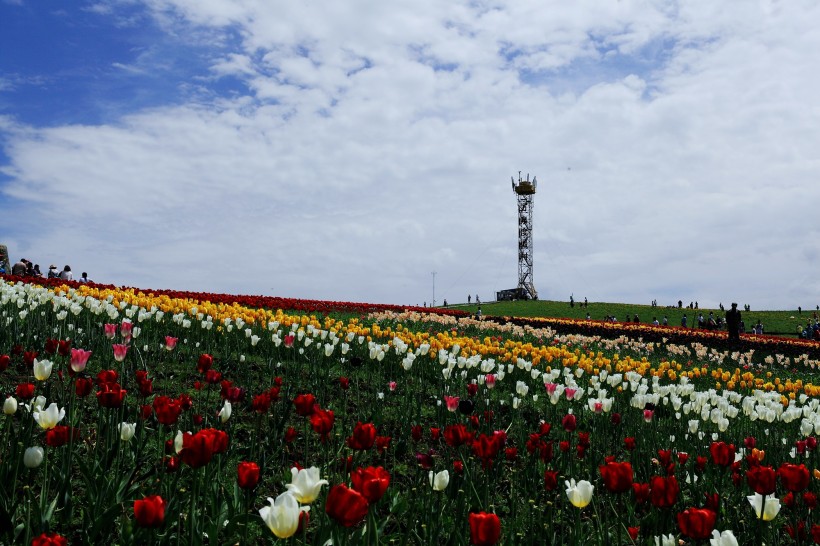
[[783, 323]]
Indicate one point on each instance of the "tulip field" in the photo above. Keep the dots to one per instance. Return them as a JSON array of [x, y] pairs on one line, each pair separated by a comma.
[[153, 417]]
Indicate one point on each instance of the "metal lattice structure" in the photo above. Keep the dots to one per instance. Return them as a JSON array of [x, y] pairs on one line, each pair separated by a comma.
[[524, 192]]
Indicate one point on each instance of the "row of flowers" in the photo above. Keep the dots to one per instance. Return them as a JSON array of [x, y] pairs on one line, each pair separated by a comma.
[[672, 334], [249, 301]]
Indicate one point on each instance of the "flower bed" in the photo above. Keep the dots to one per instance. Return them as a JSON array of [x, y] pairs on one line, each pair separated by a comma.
[[145, 418]]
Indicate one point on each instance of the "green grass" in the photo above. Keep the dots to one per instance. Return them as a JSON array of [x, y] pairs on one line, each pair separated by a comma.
[[783, 323]]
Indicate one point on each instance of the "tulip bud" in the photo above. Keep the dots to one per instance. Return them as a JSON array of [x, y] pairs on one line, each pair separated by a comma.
[[127, 431], [225, 412], [33, 457], [10, 406], [440, 480]]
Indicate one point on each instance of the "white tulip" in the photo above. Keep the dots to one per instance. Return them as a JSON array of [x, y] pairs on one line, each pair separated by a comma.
[[42, 369], [305, 484], [225, 412], [49, 417], [33, 457], [440, 480], [127, 431], [10, 406]]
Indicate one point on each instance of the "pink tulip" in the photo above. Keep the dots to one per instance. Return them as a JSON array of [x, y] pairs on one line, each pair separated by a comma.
[[550, 388], [170, 343], [570, 393], [647, 415], [289, 340], [489, 380], [119, 351], [452, 402], [125, 328], [392, 386], [110, 330], [79, 359]]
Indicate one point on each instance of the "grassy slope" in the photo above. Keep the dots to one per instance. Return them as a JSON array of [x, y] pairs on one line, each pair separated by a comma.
[[774, 322]]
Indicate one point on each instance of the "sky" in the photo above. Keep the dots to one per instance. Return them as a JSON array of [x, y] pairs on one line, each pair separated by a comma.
[[349, 150]]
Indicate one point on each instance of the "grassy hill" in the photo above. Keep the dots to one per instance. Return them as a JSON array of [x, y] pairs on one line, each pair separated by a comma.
[[783, 323]]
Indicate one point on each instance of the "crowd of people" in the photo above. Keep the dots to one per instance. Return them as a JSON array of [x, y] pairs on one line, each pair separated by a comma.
[[25, 268]]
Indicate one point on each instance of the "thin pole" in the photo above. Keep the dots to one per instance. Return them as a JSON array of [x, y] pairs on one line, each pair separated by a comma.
[[434, 288]]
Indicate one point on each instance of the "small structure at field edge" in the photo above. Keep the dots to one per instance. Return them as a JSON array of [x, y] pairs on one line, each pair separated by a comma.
[[524, 192]]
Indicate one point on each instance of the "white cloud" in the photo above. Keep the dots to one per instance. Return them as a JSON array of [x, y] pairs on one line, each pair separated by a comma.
[[374, 142]]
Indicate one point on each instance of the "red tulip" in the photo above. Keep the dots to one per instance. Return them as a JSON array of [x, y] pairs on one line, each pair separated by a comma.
[[145, 385], [762, 479], [150, 511], [28, 357], [322, 422], [167, 410], [304, 404], [145, 411], [212, 377], [5, 360], [50, 346], [697, 523], [371, 482], [642, 492], [569, 422], [247, 474], [722, 454], [83, 386], [794, 477], [25, 391], [485, 529], [204, 363], [170, 343], [486, 447], [363, 437], [49, 539], [550, 480], [456, 435], [664, 491], [347, 506], [617, 476], [60, 435], [712, 501], [107, 376], [198, 449], [261, 402], [382, 443], [111, 395]]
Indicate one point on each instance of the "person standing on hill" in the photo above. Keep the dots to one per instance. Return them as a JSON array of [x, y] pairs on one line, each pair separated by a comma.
[[19, 268], [733, 323]]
